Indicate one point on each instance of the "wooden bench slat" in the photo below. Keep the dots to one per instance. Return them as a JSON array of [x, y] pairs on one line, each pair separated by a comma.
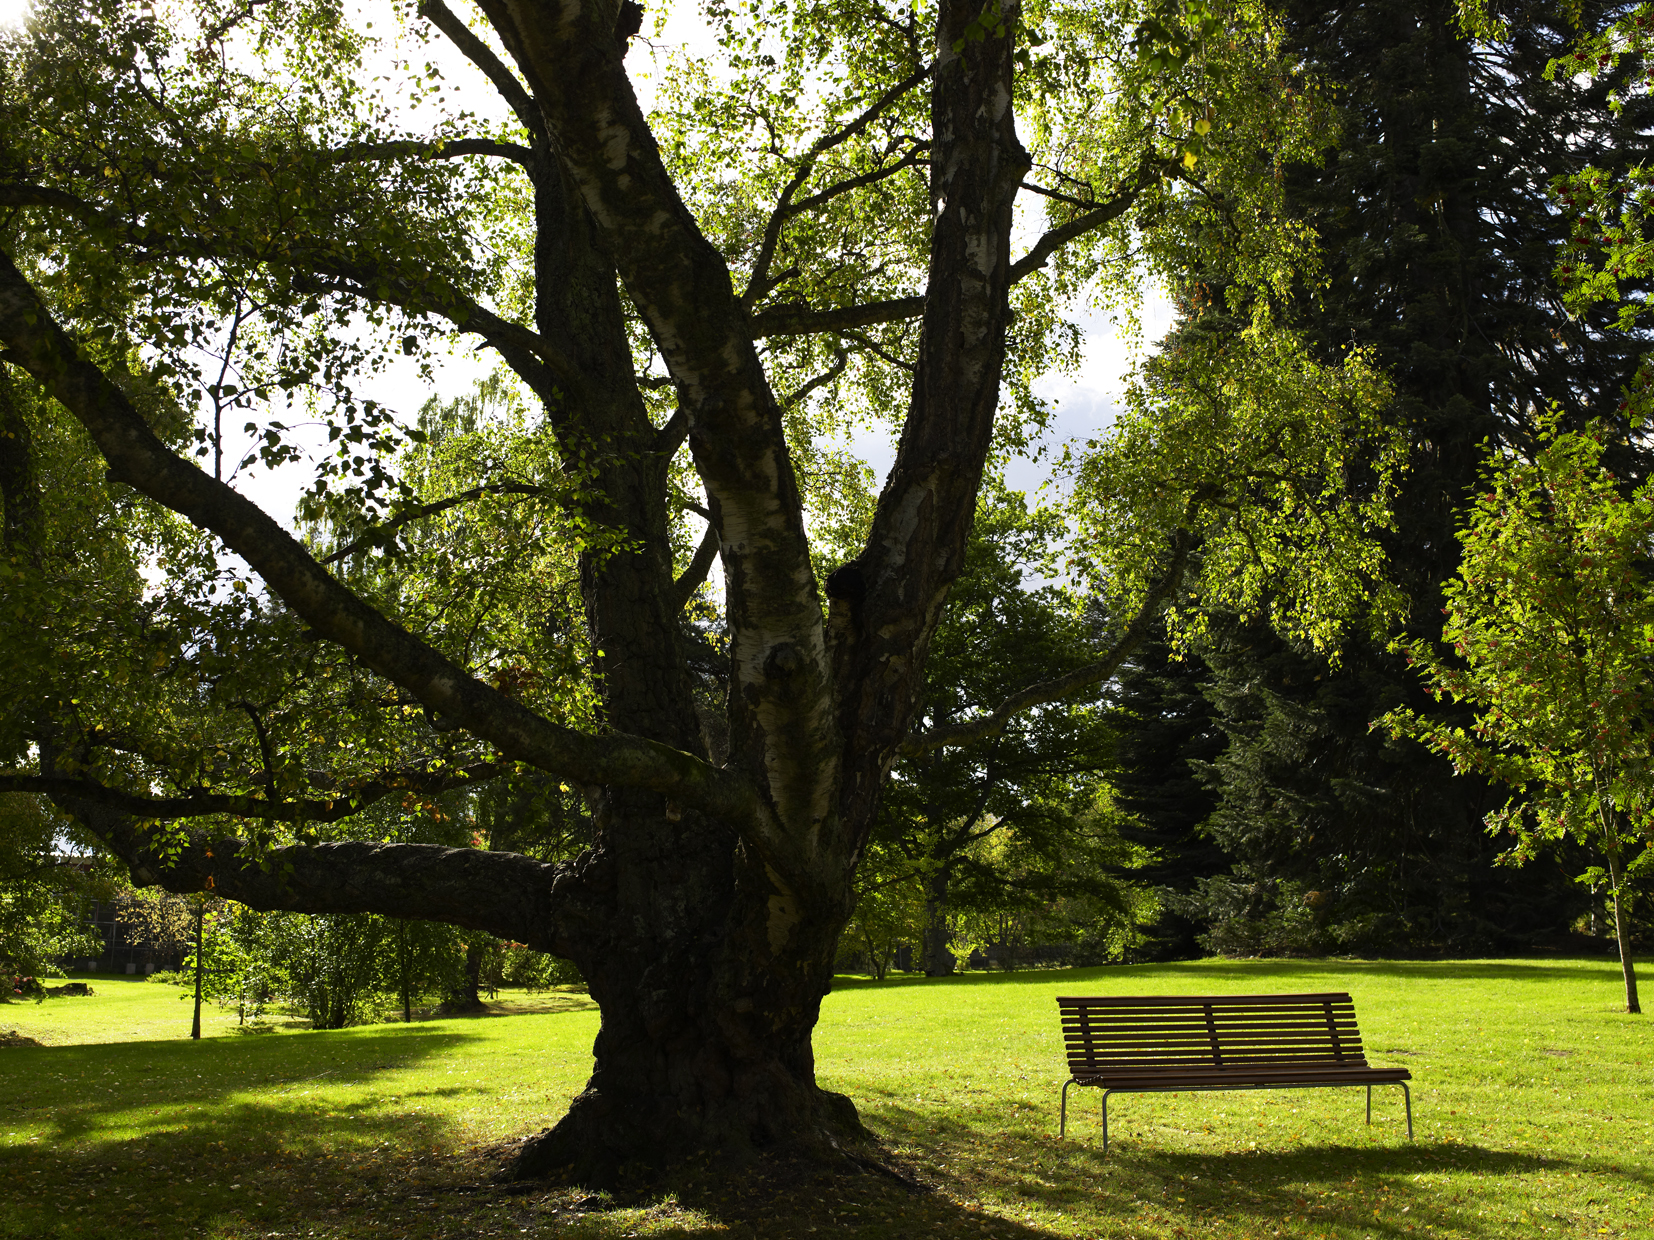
[[1148, 1037], [1199, 1001], [1220, 1057], [1238, 1007], [1206, 1052], [1119, 1034], [1146, 1083], [1159, 1025], [1207, 1072], [1081, 1055], [1145, 1029], [1123, 1037]]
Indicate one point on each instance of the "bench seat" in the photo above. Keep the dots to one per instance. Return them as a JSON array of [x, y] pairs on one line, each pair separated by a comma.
[[1174, 1044]]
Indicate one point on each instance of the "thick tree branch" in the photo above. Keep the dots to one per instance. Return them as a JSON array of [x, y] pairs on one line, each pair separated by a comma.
[[382, 534], [547, 907], [1059, 687], [1148, 172], [22, 525], [536, 360], [265, 809], [803, 321], [22, 194], [140, 460], [916, 546], [482, 56], [683, 589], [671, 436], [551, 908], [453, 148]]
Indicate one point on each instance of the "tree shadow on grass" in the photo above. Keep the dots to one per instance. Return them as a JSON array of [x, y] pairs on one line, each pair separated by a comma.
[[293, 1135], [1152, 1182], [181, 1137], [236, 1139]]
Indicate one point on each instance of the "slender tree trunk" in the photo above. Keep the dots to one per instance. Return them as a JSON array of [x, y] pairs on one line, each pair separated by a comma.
[[200, 914], [402, 967], [1622, 932], [875, 961], [938, 959]]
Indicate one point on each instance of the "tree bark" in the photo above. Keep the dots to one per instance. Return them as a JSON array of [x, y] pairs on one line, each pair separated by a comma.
[[20, 528], [1622, 932], [878, 962], [707, 1005], [916, 547]]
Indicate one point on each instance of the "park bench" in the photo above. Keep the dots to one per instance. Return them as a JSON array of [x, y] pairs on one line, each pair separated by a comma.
[[1169, 1044]]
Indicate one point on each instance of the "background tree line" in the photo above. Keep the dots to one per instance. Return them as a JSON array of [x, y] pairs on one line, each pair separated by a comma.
[[1284, 822]]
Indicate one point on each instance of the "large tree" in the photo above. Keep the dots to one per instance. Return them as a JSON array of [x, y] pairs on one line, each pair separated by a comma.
[[828, 223]]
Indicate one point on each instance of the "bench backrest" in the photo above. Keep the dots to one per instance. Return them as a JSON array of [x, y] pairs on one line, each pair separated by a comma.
[[1210, 1031]]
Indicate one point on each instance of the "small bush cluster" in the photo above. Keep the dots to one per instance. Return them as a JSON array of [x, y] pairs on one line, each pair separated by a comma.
[[337, 970]]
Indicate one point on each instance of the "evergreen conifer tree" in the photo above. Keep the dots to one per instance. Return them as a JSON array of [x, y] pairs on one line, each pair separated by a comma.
[[1168, 736]]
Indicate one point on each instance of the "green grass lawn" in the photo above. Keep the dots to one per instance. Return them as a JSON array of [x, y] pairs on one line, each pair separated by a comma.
[[1533, 1104]]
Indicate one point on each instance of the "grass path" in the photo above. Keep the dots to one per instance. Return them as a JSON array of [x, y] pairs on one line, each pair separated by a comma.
[[1533, 1104]]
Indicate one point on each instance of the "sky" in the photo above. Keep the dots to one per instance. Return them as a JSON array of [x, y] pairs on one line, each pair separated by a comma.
[[1084, 403]]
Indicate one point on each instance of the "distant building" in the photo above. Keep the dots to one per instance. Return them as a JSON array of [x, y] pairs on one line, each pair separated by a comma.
[[127, 945]]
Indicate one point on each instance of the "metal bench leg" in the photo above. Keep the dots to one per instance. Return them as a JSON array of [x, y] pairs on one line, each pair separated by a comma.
[[1407, 1096], [1369, 1106], [1062, 1126], [1106, 1093]]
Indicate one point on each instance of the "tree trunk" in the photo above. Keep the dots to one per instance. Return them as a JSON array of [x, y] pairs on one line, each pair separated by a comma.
[[1622, 932], [710, 981], [200, 914], [464, 997], [402, 967], [877, 963], [20, 504], [938, 960]]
